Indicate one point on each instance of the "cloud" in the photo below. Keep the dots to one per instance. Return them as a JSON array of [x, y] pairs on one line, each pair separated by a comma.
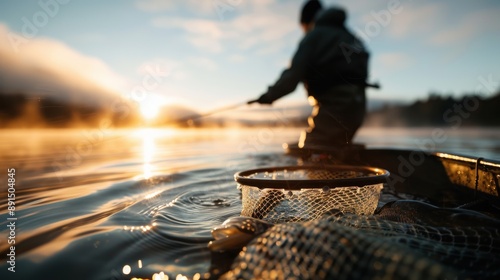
[[393, 61], [217, 8], [203, 34], [442, 25], [470, 26], [415, 19], [52, 69], [201, 7], [256, 27], [160, 66], [154, 5], [263, 32]]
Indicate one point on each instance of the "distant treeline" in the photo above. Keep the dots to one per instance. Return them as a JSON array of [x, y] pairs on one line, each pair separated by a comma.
[[20, 110], [440, 110]]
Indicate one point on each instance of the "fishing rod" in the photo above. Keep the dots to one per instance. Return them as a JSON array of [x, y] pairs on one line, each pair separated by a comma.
[[193, 117], [213, 112], [234, 106]]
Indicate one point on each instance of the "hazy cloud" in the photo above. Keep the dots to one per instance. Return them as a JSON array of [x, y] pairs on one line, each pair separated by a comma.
[[416, 19], [263, 31], [468, 27], [393, 61], [51, 68], [204, 6], [257, 27], [154, 5], [203, 34]]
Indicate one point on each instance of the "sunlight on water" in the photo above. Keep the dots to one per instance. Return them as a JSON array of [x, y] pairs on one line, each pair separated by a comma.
[[126, 269], [152, 195], [149, 150], [149, 138], [143, 201], [160, 276]]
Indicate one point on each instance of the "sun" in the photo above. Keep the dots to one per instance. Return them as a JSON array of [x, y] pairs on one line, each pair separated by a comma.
[[149, 109], [151, 105]]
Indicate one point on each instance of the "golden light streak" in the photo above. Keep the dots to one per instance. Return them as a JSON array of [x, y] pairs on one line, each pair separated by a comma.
[[149, 149]]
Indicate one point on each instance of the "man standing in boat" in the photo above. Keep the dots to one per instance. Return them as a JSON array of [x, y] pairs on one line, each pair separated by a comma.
[[333, 66]]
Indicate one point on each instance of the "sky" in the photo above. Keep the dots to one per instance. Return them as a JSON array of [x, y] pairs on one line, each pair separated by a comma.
[[205, 54]]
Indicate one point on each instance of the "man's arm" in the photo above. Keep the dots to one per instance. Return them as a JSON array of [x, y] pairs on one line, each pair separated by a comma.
[[291, 77]]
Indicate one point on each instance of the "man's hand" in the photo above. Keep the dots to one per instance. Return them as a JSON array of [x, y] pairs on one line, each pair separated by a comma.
[[264, 99]]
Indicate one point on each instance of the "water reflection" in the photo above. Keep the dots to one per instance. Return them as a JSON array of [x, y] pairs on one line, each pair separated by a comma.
[[160, 276], [186, 186], [126, 269], [140, 228], [148, 150]]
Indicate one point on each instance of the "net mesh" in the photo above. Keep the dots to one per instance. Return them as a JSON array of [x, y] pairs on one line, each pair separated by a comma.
[[309, 203]]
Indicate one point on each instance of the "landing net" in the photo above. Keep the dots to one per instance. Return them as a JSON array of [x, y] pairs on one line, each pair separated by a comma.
[[301, 193]]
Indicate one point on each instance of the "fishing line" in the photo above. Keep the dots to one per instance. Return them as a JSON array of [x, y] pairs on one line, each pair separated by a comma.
[[193, 117]]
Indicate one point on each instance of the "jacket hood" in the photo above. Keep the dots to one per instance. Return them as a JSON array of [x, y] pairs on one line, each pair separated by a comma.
[[331, 16]]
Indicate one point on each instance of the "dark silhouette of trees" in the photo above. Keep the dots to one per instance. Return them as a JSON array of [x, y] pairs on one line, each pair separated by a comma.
[[439, 110], [20, 110]]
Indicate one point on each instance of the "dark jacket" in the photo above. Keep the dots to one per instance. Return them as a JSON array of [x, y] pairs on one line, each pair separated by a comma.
[[328, 56]]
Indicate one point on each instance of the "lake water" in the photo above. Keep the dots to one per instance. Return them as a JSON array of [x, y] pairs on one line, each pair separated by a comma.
[[119, 204]]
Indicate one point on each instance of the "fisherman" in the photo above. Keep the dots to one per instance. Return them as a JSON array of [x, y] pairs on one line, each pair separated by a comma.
[[332, 64]]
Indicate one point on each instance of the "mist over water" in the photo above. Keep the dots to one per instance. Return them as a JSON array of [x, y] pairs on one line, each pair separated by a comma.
[[118, 204]]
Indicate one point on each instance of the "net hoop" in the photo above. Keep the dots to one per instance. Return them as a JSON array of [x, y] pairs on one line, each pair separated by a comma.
[[370, 176]]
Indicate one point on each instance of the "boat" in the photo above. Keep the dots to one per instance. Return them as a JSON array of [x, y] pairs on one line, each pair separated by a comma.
[[445, 179]]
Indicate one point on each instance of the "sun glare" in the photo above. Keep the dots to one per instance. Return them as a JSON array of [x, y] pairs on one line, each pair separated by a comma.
[[149, 149], [150, 108]]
